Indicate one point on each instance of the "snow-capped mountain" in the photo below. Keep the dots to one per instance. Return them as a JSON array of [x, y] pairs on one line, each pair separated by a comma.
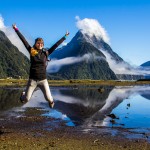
[[89, 57], [79, 59]]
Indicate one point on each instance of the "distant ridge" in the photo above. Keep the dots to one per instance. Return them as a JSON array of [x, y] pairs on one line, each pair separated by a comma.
[[146, 64]]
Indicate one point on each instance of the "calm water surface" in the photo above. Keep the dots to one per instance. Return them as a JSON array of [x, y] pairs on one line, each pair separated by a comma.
[[90, 107]]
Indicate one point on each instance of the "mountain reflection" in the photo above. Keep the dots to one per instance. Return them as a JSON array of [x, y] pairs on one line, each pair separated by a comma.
[[9, 98], [81, 103], [115, 98], [89, 107], [146, 95], [86, 106]]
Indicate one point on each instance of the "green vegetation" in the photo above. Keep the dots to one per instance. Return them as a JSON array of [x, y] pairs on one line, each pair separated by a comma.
[[23, 82], [12, 62]]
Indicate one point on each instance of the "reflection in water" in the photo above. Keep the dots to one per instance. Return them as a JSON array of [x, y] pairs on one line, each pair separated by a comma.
[[146, 95], [81, 103], [9, 98], [90, 106], [127, 104]]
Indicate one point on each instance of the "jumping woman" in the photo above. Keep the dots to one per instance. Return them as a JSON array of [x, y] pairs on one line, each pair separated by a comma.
[[38, 59]]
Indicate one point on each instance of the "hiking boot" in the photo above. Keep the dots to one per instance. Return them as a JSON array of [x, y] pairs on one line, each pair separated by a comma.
[[51, 104], [21, 97]]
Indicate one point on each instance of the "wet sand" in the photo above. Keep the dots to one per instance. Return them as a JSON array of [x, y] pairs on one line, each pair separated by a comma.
[[31, 131]]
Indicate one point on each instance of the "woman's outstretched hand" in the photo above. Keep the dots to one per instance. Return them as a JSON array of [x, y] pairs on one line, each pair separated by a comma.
[[14, 27], [67, 33]]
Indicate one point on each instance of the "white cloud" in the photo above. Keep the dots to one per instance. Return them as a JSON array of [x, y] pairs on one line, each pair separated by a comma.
[[92, 27], [55, 65], [12, 36], [64, 43], [123, 67]]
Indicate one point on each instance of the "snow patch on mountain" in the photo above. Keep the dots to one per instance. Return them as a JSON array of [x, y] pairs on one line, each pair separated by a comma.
[[92, 27]]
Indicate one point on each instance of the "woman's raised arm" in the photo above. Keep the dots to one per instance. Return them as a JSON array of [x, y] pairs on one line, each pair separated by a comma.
[[50, 50], [26, 44]]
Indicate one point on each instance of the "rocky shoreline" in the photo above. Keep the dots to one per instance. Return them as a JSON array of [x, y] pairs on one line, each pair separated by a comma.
[[29, 130]]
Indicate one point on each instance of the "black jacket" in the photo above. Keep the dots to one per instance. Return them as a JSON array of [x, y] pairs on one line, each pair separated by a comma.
[[39, 61]]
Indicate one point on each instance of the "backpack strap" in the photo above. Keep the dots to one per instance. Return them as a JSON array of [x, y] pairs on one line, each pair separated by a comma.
[[46, 54]]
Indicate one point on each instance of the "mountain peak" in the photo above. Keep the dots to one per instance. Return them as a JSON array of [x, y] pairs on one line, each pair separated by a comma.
[[79, 59], [85, 37], [92, 27]]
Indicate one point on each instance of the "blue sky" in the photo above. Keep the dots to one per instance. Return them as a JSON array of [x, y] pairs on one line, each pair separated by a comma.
[[127, 22]]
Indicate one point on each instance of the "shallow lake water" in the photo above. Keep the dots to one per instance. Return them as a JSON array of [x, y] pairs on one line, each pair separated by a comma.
[[90, 107]]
